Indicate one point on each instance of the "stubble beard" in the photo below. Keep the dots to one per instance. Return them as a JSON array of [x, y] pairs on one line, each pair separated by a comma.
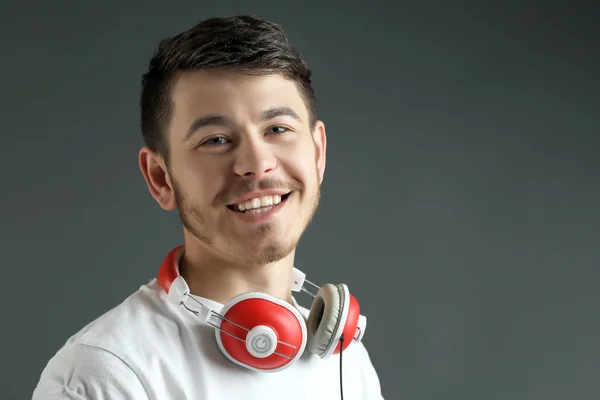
[[194, 222]]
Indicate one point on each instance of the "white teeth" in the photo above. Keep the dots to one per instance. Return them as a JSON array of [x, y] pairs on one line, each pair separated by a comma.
[[259, 204], [258, 210], [266, 201]]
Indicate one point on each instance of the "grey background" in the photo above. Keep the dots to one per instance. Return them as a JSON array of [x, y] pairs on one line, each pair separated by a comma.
[[460, 201]]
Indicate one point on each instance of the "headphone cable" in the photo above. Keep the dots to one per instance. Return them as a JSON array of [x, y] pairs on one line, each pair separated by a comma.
[[341, 380]]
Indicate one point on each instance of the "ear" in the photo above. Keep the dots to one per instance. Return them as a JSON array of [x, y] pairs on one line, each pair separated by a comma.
[[157, 178], [320, 140]]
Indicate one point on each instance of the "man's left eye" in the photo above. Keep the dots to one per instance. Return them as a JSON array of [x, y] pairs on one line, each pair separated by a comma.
[[277, 130]]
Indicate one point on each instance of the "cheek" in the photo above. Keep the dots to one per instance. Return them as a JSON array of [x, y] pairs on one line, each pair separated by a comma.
[[303, 165], [200, 182]]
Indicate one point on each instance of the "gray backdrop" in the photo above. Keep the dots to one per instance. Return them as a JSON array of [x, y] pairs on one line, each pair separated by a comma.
[[460, 201]]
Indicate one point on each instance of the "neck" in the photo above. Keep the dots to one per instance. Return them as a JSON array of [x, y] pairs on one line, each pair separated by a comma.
[[219, 279]]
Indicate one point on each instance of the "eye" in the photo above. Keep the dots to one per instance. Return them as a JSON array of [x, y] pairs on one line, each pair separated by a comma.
[[277, 130], [214, 141]]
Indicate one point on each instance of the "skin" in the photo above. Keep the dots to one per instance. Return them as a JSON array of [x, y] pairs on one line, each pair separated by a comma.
[[212, 166]]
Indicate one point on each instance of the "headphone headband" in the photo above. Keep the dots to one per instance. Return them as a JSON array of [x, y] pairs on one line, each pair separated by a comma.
[[176, 287]]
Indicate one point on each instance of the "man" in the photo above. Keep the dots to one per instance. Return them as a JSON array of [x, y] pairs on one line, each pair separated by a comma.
[[233, 144]]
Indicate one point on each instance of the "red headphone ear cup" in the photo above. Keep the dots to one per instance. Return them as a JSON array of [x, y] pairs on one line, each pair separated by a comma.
[[250, 310], [351, 325], [327, 314]]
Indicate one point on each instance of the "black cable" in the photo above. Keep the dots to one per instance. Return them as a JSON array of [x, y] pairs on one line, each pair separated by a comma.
[[341, 381]]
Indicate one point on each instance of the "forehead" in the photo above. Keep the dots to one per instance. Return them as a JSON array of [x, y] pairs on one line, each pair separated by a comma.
[[241, 98]]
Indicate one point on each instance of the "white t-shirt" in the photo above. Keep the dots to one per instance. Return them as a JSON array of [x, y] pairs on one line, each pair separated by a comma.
[[148, 348]]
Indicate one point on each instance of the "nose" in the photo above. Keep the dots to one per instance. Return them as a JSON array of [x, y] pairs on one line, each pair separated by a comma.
[[254, 158]]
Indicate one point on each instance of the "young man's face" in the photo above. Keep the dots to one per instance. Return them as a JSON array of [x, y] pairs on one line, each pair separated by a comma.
[[237, 142]]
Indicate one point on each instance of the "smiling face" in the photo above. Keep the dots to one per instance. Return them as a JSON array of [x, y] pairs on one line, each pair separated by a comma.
[[245, 164]]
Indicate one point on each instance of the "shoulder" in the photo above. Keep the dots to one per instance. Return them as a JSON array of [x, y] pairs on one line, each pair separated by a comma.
[[368, 372], [102, 360], [359, 369], [80, 371], [119, 330]]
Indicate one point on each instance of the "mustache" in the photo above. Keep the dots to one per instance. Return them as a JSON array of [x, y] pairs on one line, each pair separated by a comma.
[[244, 187]]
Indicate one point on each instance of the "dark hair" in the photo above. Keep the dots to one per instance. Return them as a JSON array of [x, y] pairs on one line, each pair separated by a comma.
[[244, 44]]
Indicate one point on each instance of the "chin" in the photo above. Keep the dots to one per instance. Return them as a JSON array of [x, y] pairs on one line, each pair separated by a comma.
[[264, 252]]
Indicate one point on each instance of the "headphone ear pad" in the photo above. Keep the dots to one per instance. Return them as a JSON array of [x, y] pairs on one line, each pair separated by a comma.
[[324, 319]]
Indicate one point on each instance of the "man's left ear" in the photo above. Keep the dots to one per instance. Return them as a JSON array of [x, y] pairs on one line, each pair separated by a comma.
[[320, 140]]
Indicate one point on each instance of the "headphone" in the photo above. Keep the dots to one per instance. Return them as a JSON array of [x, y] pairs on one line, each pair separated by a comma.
[[263, 333]]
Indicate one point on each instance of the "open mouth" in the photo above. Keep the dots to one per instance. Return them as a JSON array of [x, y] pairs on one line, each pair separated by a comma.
[[259, 204]]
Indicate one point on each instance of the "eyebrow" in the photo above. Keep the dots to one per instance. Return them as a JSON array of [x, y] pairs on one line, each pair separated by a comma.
[[220, 120], [215, 120], [280, 112]]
